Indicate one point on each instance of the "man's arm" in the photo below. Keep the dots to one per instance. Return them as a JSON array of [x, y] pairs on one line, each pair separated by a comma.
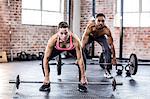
[[110, 42], [89, 29], [85, 38]]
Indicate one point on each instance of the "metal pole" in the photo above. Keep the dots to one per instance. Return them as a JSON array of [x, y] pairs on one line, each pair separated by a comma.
[[121, 34], [93, 14], [69, 11]]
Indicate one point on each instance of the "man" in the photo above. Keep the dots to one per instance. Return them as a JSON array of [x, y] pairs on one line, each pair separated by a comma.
[[63, 40], [96, 30]]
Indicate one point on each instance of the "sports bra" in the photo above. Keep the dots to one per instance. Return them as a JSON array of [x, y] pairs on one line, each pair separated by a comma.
[[71, 46]]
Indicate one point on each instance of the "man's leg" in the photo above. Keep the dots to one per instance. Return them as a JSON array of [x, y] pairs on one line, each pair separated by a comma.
[[107, 52]]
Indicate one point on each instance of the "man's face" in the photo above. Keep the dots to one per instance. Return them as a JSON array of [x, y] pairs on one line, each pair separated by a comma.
[[100, 22], [63, 34]]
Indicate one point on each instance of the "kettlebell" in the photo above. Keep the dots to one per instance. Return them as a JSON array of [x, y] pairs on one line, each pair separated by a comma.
[[23, 56], [128, 74], [41, 55], [119, 70]]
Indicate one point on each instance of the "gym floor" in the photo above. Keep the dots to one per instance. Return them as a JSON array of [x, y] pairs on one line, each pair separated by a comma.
[[135, 87]]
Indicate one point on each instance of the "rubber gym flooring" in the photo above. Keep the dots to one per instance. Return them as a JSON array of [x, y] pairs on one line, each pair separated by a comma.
[[134, 87]]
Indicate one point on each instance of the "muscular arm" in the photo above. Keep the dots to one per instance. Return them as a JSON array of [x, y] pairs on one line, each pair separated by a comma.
[[110, 41], [80, 60], [89, 29], [47, 54], [85, 38]]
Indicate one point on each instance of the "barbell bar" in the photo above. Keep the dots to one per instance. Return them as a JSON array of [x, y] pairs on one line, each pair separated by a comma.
[[132, 64], [89, 83], [114, 83], [133, 56], [91, 63]]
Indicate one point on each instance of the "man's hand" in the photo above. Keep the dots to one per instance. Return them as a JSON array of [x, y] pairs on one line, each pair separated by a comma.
[[84, 80], [114, 62], [46, 80]]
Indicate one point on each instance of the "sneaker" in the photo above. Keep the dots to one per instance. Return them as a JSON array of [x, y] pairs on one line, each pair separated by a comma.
[[82, 88], [107, 74], [45, 87]]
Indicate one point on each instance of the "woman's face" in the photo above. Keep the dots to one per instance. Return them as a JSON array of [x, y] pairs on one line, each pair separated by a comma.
[[63, 34]]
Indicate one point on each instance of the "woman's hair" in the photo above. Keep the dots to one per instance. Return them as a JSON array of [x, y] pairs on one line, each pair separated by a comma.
[[63, 25]]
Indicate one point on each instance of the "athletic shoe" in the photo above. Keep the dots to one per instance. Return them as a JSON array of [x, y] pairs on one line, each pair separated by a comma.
[[107, 74], [82, 88], [45, 87]]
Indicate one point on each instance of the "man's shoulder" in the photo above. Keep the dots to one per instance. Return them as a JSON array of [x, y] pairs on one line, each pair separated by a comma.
[[106, 27], [75, 37]]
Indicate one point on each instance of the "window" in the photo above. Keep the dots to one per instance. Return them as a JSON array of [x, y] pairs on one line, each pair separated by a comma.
[[136, 13], [42, 12]]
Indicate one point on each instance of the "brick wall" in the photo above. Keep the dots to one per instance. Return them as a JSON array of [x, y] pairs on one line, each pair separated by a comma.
[[86, 13], [4, 27], [136, 40], [33, 38], [29, 38]]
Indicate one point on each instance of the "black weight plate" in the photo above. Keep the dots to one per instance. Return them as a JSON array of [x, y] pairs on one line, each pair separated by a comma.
[[17, 81], [59, 64], [58, 69], [134, 64], [114, 84], [101, 60]]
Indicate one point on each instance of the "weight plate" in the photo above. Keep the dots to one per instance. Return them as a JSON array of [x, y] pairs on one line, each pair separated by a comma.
[[59, 64], [58, 69], [17, 81], [101, 60], [114, 84], [134, 64]]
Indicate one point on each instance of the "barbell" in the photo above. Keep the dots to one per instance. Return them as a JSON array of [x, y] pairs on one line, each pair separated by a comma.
[[132, 64], [113, 83]]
